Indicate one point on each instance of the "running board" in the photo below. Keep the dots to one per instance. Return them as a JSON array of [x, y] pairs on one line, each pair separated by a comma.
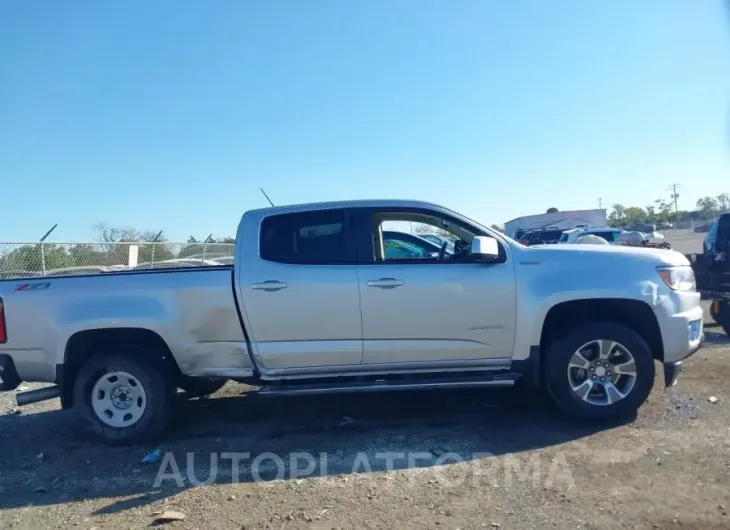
[[36, 396], [386, 386]]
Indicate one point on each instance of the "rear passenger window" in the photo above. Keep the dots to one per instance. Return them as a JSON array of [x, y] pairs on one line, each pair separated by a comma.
[[306, 238]]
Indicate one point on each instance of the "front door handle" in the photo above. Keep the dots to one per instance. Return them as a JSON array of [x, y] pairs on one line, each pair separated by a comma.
[[385, 283], [270, 285]]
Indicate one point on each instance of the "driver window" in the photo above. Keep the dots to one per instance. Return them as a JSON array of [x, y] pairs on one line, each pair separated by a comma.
[[414, 237]]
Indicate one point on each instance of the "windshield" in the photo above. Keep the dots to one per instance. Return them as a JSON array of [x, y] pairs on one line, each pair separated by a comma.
[[546, 235]]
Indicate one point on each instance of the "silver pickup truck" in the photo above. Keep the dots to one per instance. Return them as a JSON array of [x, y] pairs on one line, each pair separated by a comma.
[[317, 303]]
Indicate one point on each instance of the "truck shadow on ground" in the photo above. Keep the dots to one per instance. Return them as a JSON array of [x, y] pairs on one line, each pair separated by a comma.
[[44, 461], [714, 336]]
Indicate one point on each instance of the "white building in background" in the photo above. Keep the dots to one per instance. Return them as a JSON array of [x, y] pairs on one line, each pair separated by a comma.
[[562, 220]]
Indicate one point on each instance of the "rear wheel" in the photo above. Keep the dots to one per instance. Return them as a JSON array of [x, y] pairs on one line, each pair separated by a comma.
[[123, 398], [201, 386], [601, 370]]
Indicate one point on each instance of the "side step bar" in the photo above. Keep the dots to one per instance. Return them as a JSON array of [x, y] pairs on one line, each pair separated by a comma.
[[36, 396], [386, 386], [505, 380]]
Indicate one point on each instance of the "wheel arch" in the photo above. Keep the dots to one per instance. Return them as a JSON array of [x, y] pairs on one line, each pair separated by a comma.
[[634, 314], [83, 345]]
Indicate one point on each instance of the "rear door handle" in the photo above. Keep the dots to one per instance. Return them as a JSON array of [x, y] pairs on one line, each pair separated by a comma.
[[270, 285], [385, 283]]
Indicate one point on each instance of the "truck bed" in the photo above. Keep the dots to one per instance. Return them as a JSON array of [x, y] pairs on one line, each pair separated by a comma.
[[193, 310]]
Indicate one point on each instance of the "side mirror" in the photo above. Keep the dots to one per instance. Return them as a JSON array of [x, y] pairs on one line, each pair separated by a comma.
[[484, 249]]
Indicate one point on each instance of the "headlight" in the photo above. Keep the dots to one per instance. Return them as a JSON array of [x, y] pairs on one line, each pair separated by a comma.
[[678, 278]]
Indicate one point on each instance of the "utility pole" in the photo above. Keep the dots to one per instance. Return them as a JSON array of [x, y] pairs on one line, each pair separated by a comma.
[[675, 196], [600, 203]]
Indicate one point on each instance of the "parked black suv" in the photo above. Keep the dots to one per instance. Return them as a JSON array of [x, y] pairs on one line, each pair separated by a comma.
[[644, 228], [546, 236], [712, 270]]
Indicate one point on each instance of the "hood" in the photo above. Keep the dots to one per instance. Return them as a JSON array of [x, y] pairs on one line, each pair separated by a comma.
[[569, 252]]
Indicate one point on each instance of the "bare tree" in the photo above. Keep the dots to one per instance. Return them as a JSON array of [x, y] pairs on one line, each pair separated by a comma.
[[111, 241], [421, 228], [111, 234]]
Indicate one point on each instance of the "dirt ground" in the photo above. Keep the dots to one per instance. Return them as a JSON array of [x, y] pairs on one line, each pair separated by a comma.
[[685, 241], [497, 459]]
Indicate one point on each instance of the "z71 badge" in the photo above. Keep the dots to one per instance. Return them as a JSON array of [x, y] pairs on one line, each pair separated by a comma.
[[42, 286]]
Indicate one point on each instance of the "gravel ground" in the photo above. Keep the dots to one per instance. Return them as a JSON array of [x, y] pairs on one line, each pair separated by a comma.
[[684, 241], [497, 459]]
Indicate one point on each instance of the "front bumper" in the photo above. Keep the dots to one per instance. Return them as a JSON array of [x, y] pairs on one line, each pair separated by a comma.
[[672, 369], [681, 321], [9, 378]]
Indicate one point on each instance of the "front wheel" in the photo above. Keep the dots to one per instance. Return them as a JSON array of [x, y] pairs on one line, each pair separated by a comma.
[[123, 398], [601, 370]]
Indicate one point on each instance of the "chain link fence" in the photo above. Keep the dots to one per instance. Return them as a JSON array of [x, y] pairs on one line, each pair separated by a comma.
[[21, 259], [691, 224]]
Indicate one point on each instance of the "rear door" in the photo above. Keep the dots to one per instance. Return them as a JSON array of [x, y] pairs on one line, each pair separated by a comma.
[[300, 293]]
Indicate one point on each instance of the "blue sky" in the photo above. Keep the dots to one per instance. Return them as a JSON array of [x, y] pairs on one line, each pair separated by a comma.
[[171, 114]]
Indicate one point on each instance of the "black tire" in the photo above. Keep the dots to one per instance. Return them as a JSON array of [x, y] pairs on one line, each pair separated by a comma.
[[200, 386], [556, 371], [716, 310], [723, 317], [159, 397]]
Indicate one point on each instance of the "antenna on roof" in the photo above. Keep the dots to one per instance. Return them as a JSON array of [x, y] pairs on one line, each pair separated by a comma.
[[267, 197]]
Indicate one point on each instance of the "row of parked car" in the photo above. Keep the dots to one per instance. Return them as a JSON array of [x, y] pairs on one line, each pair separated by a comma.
[[85, 270], [585, 234], [401, 245]]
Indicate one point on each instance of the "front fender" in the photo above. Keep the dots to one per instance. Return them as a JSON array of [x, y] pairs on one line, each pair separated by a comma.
[[546, 289]]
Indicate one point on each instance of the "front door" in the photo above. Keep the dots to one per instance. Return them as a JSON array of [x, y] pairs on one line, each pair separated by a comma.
[[433, 310]]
